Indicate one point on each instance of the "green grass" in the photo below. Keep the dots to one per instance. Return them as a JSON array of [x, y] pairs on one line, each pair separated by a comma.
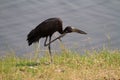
[[93, 65]]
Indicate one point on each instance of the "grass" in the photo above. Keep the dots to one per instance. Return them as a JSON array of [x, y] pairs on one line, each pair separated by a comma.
[[93, 65]]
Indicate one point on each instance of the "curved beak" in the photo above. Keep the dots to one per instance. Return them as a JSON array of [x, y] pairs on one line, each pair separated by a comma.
[[78, 31]]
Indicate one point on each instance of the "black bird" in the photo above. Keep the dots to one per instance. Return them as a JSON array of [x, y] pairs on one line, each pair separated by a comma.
[[47, 28]]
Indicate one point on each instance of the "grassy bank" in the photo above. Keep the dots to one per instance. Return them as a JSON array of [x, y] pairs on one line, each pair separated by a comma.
[[102, 65]]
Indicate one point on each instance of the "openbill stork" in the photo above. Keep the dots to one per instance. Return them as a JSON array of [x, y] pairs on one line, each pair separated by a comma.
[[47, 28]]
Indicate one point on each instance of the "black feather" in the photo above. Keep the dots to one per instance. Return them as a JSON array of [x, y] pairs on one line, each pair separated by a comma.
[[44, 29]]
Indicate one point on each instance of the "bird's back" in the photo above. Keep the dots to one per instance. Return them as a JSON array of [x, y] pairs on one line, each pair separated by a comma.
[[44, 29]]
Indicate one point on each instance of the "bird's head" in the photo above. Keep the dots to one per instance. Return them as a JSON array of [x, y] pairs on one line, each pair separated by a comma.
[[70, 29]]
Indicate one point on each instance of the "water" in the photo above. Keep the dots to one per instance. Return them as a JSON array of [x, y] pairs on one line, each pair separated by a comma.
[[99, 18]]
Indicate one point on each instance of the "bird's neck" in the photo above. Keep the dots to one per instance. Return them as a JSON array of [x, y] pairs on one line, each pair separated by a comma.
[[61, 31]]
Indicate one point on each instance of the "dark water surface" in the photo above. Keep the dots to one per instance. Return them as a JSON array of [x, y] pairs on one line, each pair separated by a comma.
[[99, 18]]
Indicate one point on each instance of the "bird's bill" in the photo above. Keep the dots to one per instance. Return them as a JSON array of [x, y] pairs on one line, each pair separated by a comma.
[[78, 31]]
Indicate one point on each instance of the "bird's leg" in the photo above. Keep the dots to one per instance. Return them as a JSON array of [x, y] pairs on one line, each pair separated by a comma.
[[45, 42], [38, 46], [56, 39], [60, 40], [49, 47]]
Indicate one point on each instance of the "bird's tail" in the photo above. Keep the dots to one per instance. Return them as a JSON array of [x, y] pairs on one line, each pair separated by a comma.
[[30, 41], [31, 37]]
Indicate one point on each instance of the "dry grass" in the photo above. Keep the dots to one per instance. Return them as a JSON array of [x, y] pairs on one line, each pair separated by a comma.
[[103, 65]]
